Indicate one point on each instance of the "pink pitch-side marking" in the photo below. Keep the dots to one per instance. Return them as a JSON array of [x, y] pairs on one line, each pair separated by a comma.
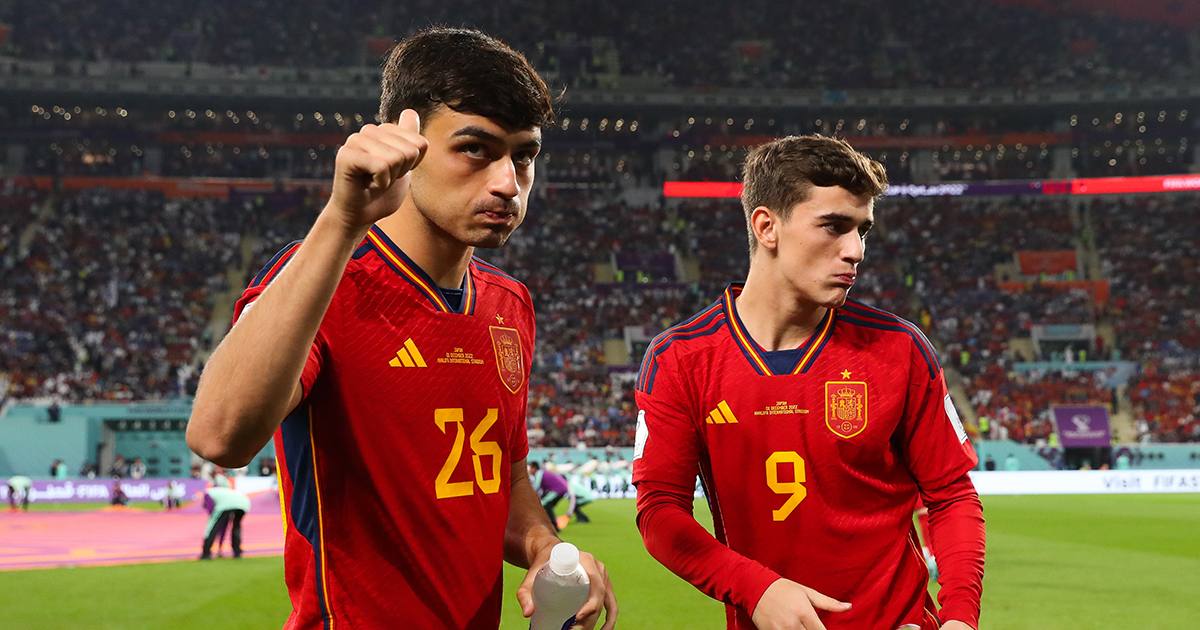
[[37, 540]]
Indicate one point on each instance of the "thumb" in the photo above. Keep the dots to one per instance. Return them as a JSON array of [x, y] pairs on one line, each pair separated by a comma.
[[525, 595], [825, 602], [409, 121]]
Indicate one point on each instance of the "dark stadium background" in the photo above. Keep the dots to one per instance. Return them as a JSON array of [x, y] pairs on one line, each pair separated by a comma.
[[153, 156]]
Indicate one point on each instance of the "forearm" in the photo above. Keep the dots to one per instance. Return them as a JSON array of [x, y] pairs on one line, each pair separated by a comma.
[[957, 528], [675, 539], [252, 379], [529, 531]]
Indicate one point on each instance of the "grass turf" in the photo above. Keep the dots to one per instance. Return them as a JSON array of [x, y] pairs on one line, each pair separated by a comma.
[[1053, 562]]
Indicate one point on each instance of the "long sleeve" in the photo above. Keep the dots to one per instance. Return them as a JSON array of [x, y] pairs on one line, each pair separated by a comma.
[[675, 539], [666, 462], [956, 526]]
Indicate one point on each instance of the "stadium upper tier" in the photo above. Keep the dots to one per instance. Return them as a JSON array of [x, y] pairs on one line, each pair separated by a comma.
[[611, 145], [824, 45]]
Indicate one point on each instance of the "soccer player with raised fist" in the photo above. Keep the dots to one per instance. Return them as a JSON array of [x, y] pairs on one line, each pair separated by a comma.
[[391, 367], [814, 423]]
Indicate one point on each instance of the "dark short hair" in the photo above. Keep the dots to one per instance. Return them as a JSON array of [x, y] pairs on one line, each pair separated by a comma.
[[467, 71], [781, 174]]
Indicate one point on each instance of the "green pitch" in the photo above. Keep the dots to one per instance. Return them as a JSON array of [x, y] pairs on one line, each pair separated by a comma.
[[1056, 562]]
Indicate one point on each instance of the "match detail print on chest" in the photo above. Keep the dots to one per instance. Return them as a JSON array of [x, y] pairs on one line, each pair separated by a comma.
[[843, 405], [410, 351]]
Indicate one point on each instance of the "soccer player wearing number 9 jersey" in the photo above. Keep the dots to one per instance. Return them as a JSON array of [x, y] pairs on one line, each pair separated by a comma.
[[814, 423], [391, 366]]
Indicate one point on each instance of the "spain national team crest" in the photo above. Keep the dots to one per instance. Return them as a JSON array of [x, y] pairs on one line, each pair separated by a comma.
[[846, 407], [507, 342]]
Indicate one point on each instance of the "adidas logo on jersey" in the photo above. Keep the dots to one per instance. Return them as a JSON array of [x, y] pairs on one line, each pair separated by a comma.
[[721, 415], [408, 356]]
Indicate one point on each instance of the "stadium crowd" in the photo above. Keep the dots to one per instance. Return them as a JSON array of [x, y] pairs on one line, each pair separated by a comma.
[[1148, 247], [113, 295], [609, 148], [904, 43], [85, 317]]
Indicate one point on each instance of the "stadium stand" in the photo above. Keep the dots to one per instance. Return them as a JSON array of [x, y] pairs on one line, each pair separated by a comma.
[[906, 43], [112, 298], [934, 261], [623, 150], [116, 294]]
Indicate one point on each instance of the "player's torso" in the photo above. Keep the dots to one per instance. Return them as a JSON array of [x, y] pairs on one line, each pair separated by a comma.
[[416, 415], [789, 450], [416, 382], [804, 473]]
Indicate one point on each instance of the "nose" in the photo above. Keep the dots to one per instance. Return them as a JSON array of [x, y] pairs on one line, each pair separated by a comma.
[[502, 180], [854, 248]]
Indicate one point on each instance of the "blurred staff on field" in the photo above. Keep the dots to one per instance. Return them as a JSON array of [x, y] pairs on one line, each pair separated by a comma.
[[227, 507], [19, 491]]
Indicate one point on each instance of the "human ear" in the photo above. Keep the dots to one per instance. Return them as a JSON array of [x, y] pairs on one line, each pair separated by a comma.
[[765, 226]]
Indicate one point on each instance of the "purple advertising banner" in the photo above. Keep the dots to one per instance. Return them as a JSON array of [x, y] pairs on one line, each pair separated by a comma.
[[100, 490], [1083, 426]]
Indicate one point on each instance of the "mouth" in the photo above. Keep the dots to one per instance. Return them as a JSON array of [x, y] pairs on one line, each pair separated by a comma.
[[497, 216], [845, 280]]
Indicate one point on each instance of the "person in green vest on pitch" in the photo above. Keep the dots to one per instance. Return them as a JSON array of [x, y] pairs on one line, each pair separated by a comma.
[[227, 506], [19, 490], [581, 494]]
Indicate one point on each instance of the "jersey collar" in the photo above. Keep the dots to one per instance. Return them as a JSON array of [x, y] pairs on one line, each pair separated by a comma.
[[411, 272], [754, 353]]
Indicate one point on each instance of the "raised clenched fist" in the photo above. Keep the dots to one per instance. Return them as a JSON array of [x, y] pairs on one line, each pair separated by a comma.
[[372, 170]]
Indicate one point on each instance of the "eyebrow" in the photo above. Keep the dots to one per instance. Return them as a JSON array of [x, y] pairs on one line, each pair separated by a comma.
[[474, 131], [844, 218]]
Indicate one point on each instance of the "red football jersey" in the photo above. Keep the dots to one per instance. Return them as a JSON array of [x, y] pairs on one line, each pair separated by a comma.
[[396, 468], [811, 475]]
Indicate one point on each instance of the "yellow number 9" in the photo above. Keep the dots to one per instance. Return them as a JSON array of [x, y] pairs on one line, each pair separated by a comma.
[[794, 488]]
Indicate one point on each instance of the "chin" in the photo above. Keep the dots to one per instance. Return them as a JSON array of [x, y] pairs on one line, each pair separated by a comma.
[[487, 239], [837, 300]]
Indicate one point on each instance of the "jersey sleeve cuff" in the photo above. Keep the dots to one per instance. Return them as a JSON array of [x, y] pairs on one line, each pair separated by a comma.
[[964, 614], [752, 589]]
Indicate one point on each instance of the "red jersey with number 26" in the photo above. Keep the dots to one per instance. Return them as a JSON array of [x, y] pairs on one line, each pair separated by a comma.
[[811, 475], [396, 468]]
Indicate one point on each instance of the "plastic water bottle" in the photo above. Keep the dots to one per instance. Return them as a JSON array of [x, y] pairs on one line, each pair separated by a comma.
[[559, 590]]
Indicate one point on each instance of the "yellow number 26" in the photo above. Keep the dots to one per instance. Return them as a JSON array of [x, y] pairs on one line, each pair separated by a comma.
[[479, 447]]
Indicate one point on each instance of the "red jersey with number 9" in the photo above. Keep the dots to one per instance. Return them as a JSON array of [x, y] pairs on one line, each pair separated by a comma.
[[811, 474], [395, 470]]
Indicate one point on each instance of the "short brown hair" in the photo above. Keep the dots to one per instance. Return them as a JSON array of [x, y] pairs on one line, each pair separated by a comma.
[[781, 174], [467, 71]]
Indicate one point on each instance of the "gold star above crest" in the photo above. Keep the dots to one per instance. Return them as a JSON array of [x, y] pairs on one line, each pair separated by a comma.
[[499, 320], [845, 373]]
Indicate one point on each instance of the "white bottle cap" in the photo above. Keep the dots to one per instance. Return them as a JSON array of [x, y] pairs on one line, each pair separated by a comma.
[[564, 558]]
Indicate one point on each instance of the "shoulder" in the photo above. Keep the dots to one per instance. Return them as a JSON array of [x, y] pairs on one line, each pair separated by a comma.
[[359, 261], [691, 335], [493, 276], [275, 265], [874, 323]]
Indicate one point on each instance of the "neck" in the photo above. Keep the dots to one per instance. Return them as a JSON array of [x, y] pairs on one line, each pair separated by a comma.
[[435, 251], [775, 314]]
